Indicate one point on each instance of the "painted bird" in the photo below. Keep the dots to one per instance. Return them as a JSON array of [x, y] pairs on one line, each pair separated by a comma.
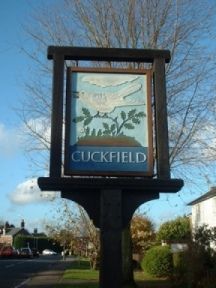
[[106, 102]]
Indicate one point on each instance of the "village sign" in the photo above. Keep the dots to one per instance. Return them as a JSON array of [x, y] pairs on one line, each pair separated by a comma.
[[108, 122], [108, 165]]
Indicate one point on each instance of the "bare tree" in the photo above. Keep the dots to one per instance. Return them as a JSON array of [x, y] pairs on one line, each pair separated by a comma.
[[183, 27], [75, 232]]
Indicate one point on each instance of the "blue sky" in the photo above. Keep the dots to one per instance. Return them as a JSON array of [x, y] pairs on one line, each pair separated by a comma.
[[19, 198], [14, 166]]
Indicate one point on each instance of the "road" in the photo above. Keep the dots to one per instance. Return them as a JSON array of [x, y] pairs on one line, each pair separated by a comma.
[[14, 273]]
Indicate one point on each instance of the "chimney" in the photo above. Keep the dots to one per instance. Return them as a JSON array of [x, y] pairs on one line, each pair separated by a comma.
[[22, 224]]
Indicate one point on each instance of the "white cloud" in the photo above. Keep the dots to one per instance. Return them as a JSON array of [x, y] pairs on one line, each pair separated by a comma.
[[28, 192]]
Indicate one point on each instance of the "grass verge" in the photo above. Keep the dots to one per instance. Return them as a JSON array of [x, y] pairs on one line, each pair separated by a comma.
[[84, 277], [80, 270], [79, 285]]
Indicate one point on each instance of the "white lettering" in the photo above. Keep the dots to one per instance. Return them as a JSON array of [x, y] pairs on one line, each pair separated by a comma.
[[113, 156], [109, 157], [103, 157], [140, 157], [85, 157], [77, 159], [124, 157], [131, 160], [94, 156]]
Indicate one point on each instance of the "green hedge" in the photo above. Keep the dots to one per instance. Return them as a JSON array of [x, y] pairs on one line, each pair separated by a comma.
[[158, 261]]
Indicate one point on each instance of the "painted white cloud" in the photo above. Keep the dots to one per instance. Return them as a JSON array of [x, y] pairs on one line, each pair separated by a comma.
[[28, 192], [9, 140]]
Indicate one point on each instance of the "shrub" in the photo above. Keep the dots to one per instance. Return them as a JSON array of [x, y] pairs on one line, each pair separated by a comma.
[[158, 261], [209, 281], [175, 230], [194, 268], [180, 261], [180, 269]]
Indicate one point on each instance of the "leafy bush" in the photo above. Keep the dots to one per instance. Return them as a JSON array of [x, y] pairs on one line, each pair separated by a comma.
[[180, 269], [175, 230], [209, 281], [158, 261], [194, 268], [180, 261]]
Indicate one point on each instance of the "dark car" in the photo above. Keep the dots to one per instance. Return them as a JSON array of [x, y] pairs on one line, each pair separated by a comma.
[[8, 252], [25, 252], [35, 252]]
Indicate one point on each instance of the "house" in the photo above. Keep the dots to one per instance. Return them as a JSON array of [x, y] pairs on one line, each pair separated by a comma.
[[204, 210], [8, 234]]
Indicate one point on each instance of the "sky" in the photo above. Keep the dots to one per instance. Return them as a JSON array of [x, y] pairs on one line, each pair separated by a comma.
[[20, 198]]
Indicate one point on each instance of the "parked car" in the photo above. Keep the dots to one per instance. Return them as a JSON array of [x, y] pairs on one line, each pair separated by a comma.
[[8, 252], [35, 252], [48, 252], [25, 252]]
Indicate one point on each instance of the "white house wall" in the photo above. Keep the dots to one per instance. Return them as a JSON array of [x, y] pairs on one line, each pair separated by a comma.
[[204, 213]]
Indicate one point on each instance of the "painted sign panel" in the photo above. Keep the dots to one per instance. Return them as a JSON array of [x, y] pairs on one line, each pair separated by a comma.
[[108, 122]]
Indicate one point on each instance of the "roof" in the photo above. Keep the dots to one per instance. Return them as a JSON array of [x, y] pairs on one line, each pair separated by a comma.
[[206, 196], [15, 231]]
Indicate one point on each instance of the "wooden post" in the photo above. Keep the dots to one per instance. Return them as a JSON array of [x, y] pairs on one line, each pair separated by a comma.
[[111, 233], [57, 116], [162, 142], [110, 203]]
